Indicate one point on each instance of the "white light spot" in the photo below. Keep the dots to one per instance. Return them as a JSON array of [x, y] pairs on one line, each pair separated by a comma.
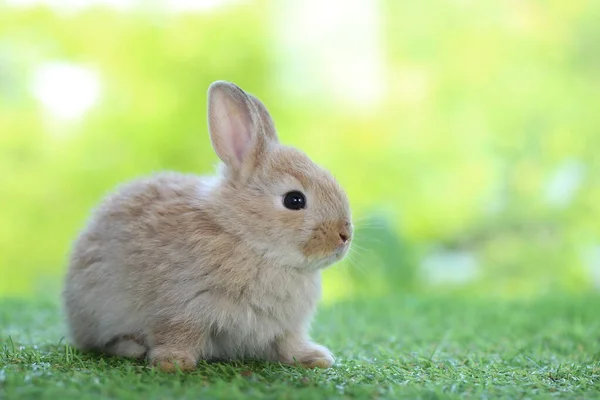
[[332, 47], [565, 182], [67, 91], [449, 267]]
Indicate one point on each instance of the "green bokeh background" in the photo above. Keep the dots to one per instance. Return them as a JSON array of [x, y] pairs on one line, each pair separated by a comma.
[[466, 133]]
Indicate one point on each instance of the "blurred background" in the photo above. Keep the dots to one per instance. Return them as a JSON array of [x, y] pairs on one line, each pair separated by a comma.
[[466, 133]]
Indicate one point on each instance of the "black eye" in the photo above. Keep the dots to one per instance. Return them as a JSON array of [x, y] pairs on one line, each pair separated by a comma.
[[294, 200]]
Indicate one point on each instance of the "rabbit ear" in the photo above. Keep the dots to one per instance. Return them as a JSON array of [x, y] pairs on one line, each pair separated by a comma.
[[230, 122], [265, 118]]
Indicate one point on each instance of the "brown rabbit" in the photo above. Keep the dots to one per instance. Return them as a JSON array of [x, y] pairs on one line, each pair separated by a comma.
[[180, 268]]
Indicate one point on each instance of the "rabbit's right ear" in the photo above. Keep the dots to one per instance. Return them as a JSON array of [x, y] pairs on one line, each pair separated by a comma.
[[265, 118]]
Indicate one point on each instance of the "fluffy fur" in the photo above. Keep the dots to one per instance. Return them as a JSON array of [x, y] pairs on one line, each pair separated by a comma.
[[178, 268]]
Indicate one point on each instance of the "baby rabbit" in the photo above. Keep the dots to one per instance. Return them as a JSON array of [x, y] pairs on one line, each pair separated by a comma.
[[178, 268]]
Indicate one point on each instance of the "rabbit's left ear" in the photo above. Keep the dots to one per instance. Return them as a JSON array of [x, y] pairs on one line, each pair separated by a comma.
[[230, 122], [235, 123]]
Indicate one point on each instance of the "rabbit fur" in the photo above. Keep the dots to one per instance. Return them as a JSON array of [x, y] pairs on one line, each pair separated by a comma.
[[178, 268]]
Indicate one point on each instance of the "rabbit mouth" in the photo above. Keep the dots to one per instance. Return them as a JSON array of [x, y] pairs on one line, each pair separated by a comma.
[[341, 252], [328, 260]]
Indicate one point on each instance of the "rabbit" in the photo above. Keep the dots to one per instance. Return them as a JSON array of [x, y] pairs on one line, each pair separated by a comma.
[[176, 268]]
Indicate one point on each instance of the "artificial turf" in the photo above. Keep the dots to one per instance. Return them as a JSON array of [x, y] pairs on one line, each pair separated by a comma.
[[392, 347]]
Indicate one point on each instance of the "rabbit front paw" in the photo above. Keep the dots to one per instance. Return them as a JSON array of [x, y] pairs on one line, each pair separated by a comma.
[[170, 361], [315, 356], [304, 353]]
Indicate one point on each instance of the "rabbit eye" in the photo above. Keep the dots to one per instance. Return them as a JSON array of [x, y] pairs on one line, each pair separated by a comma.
[[294, 200]]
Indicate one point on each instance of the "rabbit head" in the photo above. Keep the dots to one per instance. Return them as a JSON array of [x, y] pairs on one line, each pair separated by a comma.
[[273, 196]]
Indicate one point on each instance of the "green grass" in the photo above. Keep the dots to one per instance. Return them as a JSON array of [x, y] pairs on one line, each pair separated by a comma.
[[405, 347]]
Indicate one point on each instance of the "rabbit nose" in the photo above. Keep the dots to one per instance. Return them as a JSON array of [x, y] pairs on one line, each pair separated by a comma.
[[344, 238], [345, 234]]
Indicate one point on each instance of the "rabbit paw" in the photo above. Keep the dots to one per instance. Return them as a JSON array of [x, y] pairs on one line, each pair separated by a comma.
[[312, 356], [171, 361]]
